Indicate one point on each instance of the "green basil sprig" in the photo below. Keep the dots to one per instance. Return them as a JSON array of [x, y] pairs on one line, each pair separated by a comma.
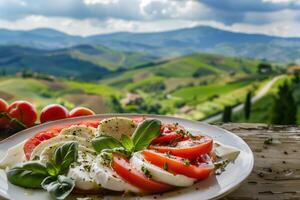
[[105, 142], [141, 139], [28, 175], [34, 174], [145, 133], [59, 187]]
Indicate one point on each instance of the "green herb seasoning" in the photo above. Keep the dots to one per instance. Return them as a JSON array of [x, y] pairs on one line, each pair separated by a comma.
[[186, 162], [166, 167], [146, 171]]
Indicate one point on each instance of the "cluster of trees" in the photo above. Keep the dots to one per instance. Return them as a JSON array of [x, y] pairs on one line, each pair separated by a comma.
[[284, 107]]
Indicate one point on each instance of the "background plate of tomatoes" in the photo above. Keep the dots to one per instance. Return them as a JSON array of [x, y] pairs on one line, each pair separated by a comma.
[[216, 186]]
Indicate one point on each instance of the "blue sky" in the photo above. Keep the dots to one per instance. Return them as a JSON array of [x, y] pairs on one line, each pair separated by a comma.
[[86, 17]]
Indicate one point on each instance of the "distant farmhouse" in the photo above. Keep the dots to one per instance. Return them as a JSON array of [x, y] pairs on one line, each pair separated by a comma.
[[293, 69]]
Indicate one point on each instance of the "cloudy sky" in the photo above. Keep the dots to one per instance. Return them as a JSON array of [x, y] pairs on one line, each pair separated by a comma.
[[86, 17]]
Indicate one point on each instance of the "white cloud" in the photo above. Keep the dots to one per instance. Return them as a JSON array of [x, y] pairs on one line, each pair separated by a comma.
[[86, 17], [281, 1]]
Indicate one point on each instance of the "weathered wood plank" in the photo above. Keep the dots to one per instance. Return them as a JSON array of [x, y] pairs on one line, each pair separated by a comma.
[[276, 173]]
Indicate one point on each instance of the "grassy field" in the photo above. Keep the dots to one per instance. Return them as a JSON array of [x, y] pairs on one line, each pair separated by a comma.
[[68, 93], [193, 87]]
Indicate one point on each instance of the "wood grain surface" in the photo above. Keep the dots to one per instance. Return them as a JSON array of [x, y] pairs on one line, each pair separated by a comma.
[[276, 173]]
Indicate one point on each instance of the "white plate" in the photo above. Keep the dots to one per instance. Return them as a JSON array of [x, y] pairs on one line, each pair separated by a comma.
[[211, 188]]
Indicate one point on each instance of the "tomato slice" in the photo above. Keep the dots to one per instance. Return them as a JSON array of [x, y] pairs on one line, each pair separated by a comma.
[[123, 168], [198, 170], [50, 133], [170, 133], [190, 149], [29, 146], [91, 123], [40, 137], [166, 138], [44, 135]]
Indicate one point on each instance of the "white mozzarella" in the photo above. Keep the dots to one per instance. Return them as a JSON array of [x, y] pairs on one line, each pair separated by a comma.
[[80, 131], [226, 152], [80, 172], [159, 174], [108, 178], [117, 126], [13, 156], [58, 139]]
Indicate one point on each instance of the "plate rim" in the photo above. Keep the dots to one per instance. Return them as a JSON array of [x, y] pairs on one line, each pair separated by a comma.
[[106, 115]]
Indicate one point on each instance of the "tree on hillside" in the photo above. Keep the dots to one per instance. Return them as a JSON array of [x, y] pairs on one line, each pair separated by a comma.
[[227, 114], [284, 108], [115, 104], [247, 106], [264, 68], [296, 78]]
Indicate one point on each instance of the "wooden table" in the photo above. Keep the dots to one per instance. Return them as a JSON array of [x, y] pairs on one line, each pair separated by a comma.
[[276, 173]]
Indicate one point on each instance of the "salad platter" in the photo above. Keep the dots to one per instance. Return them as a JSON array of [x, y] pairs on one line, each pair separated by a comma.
[[123, 156]]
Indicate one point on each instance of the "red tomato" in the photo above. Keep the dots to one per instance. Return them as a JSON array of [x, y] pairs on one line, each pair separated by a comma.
[[178, 166], [92, 123], [80, 111], [166, 138], [3, 108], [24, 111], [37, 139], [29, 146], [46, 135], [170, 133], [190, 149], [53, 112], [50, 133], [126, 171]]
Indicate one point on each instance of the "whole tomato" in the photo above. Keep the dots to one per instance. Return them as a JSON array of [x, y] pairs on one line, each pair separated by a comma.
[[53, 112], [23, 111], [3, 108], [81, 111]]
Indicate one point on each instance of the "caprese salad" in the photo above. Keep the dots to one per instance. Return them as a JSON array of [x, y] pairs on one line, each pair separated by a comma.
[[118, 154]]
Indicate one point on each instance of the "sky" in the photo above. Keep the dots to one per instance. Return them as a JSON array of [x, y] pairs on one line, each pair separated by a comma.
[[89, 17]]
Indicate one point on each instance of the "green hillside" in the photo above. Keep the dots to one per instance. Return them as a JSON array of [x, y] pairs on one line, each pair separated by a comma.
[[68, 93], [193, 66], [194, 87], [260, 112], [82, 62]]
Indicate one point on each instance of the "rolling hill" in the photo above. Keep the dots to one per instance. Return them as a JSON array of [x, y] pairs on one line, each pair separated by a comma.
[[82, 62], [184, 69], [166, 44]]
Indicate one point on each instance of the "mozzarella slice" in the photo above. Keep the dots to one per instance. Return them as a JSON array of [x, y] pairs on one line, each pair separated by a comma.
[[80, 172], [117, 126], [48, 152], [159, 174], [58, 139], [108, 178], [226, 152], [13, 156], [80, 131]]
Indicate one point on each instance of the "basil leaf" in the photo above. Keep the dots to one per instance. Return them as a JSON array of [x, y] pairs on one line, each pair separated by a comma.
[[120, 150], [145, 133], [28, 175], [65, 155], [127, 142], [52, 169], [105, 142], [59, 187]]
